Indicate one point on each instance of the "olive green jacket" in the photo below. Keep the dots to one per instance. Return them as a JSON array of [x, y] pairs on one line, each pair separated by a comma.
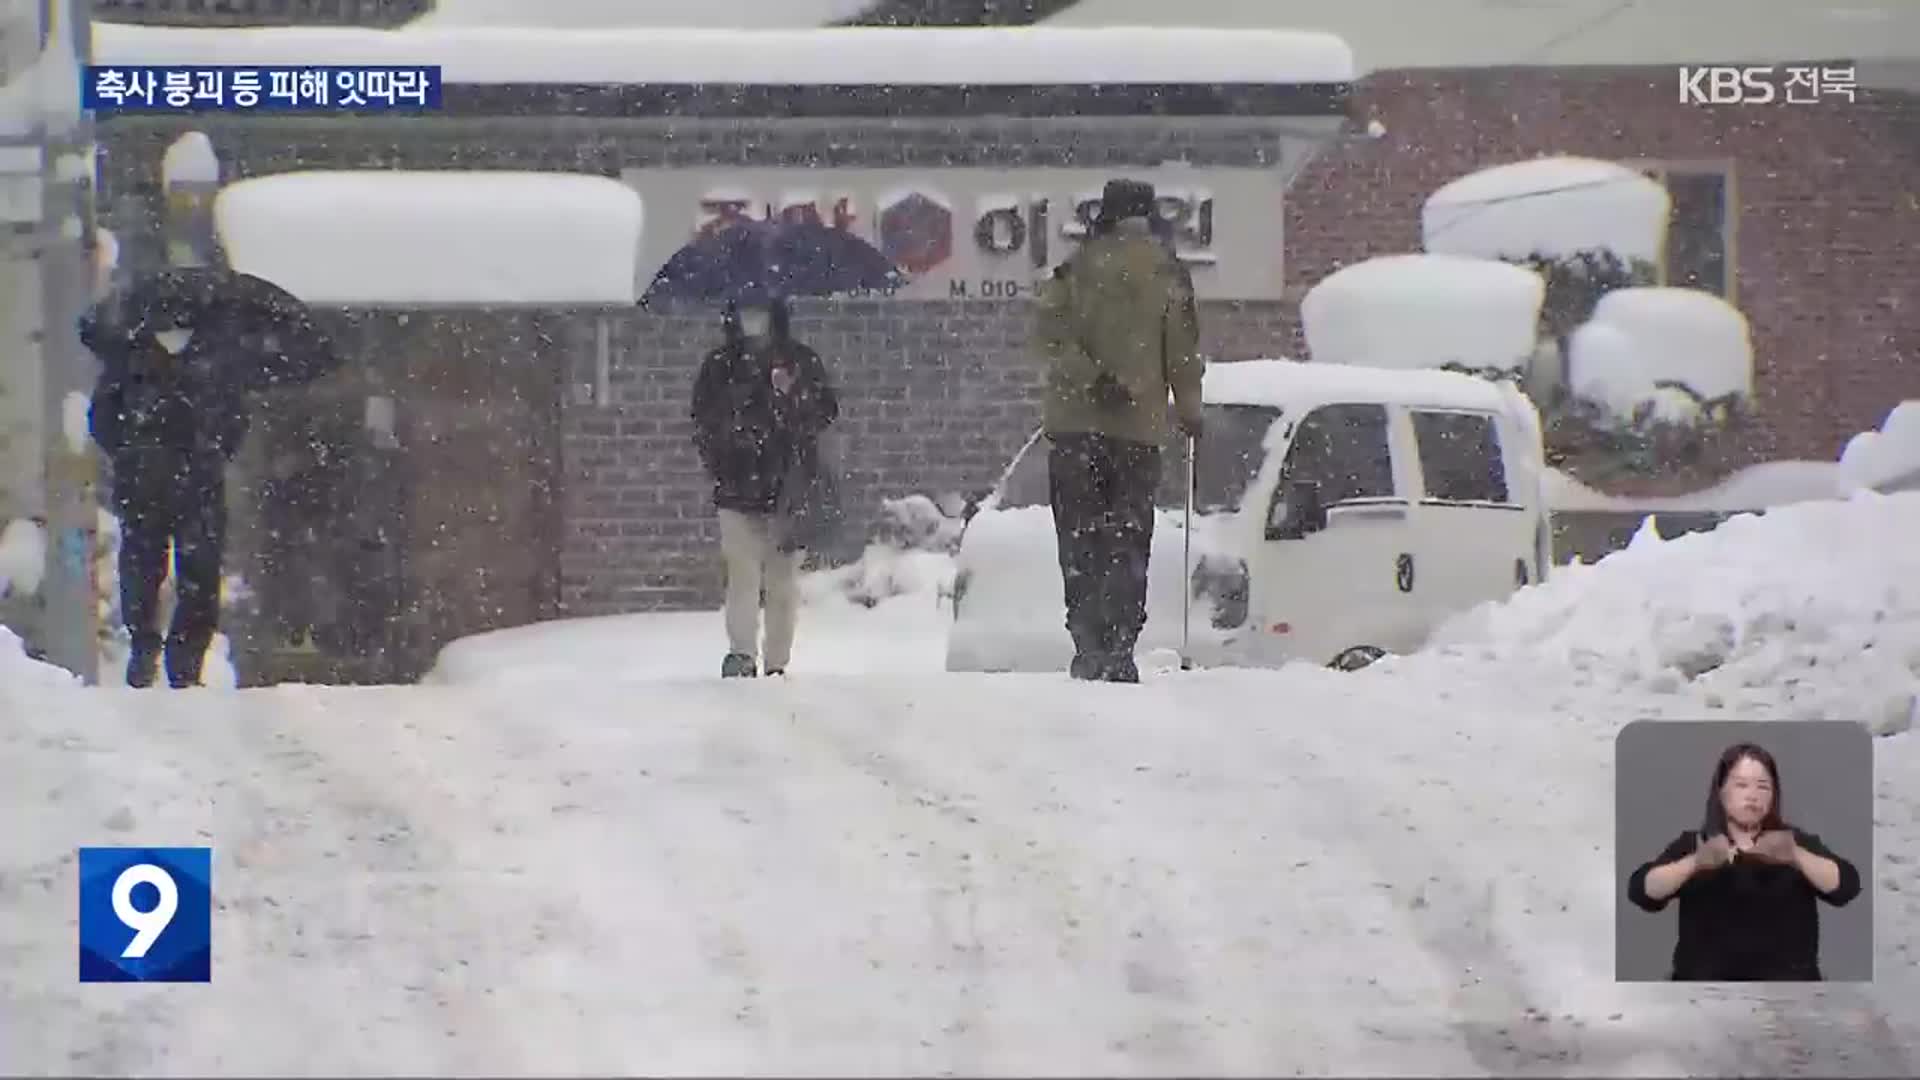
[[1122, 306]]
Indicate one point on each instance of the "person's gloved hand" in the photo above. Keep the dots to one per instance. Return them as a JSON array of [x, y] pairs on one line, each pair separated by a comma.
[[1109, 394]]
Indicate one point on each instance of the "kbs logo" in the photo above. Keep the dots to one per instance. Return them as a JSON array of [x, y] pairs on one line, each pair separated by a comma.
[[1802, 85], [146, 914]]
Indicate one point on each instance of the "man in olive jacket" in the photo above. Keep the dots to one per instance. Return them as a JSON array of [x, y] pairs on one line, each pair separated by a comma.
[[1118, 324]]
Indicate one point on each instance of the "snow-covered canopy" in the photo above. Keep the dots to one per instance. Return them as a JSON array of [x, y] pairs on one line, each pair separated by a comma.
[[1639, 337], [436, 237], [819, 57], [1552, 206], [1424, 311], [614, 14], [1876, 458]]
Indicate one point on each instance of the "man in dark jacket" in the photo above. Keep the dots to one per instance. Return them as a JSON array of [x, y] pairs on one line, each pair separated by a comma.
[[169, 424], [760, 404], [1119, 327]]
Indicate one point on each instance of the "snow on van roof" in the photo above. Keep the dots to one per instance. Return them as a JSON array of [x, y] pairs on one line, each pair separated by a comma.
[[872, 56], [449, 237], [1552, 206], [1422, 311], [1284, 383]]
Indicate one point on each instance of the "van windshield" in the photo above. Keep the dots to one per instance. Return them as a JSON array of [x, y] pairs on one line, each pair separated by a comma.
[[1230, 455]]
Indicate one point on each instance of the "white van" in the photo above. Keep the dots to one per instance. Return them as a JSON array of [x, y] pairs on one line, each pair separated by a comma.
[[1340, 513]]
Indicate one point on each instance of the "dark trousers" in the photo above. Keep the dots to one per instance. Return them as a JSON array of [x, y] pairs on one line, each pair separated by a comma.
[[1102, 492], [163, 500]]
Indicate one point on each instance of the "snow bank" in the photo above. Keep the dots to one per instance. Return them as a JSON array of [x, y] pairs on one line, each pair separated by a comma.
[[436, 237], [1812, 610], [1641, 337], [618, 14], [1422, 311], [23, 558], [869, 56], [1875, 458], [1552, 206], [18, 671]]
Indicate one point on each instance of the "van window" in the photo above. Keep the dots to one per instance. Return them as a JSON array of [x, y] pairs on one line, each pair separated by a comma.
[[1344, 449], [1230, 454], [1460, 457]]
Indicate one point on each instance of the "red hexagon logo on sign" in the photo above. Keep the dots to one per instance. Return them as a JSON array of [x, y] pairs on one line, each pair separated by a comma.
[[916, 232]]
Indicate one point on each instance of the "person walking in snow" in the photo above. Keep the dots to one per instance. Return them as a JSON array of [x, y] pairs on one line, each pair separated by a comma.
[[760, 404], [169, 423], [1120, 330]]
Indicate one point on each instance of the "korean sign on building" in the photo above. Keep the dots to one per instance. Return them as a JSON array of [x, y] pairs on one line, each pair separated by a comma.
[[981, 234]]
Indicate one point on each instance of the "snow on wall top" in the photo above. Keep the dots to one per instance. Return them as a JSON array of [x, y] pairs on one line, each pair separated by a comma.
[[1423, 311], [436, 237], [1553, 206], [1292, 383], [1641, 336], [1004, 56], [190, 160]]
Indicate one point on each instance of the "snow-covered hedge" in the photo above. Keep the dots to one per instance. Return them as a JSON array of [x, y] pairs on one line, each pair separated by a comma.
[[911, 553], [1875, 459], [1654, 356], [1555, 208], [1424, 311]]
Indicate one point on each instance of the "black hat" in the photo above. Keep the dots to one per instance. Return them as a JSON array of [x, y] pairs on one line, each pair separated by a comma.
[[1124, 199]]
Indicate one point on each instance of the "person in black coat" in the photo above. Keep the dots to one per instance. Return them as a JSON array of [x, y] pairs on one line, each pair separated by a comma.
[[1749, 884], [169, 423], [760, 403]]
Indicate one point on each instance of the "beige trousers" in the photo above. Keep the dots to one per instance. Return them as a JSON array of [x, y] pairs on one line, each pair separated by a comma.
[[756, 567]]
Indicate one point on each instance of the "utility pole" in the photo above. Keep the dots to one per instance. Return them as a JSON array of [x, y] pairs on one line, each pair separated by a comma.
[[68, 633]]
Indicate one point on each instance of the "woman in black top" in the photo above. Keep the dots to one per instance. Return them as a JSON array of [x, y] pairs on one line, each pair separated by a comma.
[[1747, 882]]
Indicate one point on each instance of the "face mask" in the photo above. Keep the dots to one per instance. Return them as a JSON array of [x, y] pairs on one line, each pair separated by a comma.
[[174, 340], [755, 322]]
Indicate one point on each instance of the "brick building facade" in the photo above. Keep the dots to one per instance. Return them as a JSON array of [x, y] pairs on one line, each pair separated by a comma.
[[937, 393], [1812, 208]]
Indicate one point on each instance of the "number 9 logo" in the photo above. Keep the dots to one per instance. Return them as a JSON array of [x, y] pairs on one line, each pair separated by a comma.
[[146, 925]]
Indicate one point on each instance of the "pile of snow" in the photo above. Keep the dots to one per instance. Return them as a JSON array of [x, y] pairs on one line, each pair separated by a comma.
[[620, 14], [912, 556], [1876, 458], [1641, 338], [1423, 311], [1551, 206], [447, 237], [1812, 610], [23, 558], [869, 56], [18, 671]]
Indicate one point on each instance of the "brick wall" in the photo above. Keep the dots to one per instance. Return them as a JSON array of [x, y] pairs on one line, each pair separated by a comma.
[[936, 397], [1827, 235]]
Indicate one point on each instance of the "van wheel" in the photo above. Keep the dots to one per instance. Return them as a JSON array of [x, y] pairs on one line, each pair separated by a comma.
[[1357, 657]]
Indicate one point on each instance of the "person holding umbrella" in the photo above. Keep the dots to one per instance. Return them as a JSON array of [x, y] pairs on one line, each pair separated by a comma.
[[760, 404], [1120, 330], [179, 352]]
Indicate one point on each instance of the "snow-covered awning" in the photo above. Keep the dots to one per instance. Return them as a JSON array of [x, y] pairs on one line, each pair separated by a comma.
[[389, 238], [839, 56]]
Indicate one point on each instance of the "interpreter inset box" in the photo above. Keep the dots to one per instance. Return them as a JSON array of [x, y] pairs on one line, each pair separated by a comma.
[[1744, 851]]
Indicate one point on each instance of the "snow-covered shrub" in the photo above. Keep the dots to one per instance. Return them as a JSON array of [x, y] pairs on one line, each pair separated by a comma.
[[910, 553], [23, 557], [1875, 458]]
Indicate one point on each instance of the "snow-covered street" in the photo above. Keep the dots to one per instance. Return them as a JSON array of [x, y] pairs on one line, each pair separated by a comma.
[[1406, 870]]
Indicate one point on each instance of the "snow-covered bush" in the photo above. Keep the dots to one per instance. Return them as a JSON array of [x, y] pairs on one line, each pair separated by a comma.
[[23, 557], [1875, 458], [1424, 311], [911, 553]]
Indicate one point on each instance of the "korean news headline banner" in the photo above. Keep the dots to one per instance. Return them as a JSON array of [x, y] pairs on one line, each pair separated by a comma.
[[181, 88]]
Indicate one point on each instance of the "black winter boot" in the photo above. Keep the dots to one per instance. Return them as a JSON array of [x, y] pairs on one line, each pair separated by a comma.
[[738, 666], [143, 662], [1121, 669], [185, 658]]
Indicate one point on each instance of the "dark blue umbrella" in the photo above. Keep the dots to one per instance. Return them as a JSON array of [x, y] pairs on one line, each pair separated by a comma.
[[267, 337], [757, 262]]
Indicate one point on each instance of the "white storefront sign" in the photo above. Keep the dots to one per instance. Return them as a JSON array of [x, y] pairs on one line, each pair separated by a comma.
[[982, 234]]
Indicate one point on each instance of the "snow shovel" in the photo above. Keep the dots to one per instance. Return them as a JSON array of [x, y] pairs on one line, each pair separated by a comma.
[[1186, 565]]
